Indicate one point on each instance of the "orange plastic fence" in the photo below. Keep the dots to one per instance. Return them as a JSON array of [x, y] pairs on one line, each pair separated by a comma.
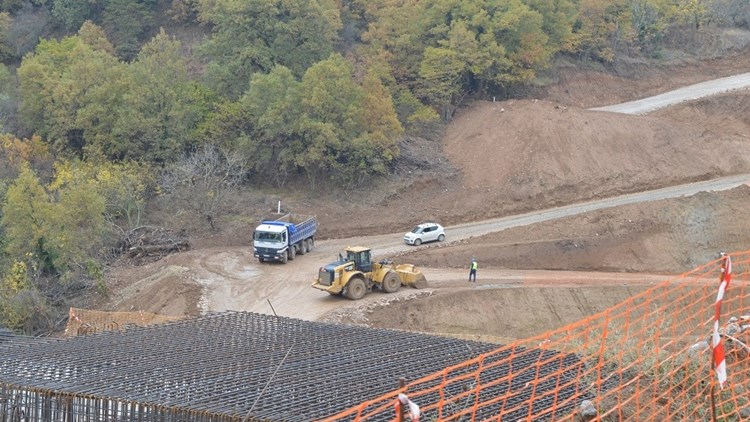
[[87, 321], [648, 358]]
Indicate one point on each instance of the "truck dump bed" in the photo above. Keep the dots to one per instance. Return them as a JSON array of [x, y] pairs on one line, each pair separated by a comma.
[[300, 226]]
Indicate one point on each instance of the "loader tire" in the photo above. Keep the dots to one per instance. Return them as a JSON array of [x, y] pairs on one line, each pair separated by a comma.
[[356, 289], [391, 283]]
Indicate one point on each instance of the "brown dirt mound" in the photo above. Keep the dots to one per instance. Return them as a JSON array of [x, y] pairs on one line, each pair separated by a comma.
[[525, 151]]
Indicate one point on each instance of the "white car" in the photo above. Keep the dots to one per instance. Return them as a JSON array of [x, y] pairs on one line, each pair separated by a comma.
[[426, 232]]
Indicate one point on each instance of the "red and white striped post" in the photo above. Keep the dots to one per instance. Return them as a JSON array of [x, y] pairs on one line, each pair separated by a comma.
[[720, 364], [717, 348]]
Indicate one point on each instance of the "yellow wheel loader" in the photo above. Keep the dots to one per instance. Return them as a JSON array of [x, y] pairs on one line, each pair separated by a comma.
[[355, 274]]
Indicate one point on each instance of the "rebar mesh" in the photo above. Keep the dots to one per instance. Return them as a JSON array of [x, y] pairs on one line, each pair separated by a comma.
[[225, 366], [647, 358]]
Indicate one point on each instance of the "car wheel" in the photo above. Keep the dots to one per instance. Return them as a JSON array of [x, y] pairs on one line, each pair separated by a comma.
[[356, 289], [391, 283], [441, 238], [417, 242]]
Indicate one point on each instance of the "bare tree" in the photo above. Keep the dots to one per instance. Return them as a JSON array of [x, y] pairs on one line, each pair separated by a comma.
[[204, 180]]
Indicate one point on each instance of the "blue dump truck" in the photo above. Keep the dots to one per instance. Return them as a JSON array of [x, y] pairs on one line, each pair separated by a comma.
[[282, 237]]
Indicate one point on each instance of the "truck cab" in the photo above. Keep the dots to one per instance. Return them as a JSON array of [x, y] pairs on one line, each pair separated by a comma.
[[282, 237], [270, 242]]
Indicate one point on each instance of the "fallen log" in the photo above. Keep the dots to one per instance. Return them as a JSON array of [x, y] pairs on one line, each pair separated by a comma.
[[154, 250]]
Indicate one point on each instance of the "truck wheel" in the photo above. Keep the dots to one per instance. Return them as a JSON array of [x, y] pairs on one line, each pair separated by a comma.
[[283, 259], [292, 251], [261, 260], [391, 282], [303, 247], [356, 289], [309, 244]]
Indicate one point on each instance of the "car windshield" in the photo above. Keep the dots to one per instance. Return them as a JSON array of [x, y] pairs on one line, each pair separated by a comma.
[[268, 236], [417, 230]]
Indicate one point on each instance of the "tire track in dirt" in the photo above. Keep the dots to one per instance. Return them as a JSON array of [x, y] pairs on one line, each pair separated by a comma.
[[233, 279]]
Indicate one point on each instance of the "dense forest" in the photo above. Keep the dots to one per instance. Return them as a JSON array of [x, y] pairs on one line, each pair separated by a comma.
[[108, 104]]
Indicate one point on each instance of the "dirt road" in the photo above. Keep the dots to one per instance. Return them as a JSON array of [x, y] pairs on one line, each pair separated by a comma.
[[691, 92], [229, 278]]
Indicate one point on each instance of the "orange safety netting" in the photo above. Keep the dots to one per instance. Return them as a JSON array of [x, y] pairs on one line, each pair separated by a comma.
[[648, 358], [87, 321]]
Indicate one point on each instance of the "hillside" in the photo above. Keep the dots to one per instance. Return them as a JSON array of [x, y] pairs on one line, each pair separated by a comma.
[[494, 159], [507, 157]]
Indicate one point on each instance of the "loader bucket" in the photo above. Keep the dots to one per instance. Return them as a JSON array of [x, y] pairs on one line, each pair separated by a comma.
[[411, 276]]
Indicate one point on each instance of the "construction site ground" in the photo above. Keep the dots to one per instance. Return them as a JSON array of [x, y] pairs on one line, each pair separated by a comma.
[[496, 159]]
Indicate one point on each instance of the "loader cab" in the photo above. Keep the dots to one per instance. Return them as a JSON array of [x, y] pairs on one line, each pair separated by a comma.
[[361, 258]]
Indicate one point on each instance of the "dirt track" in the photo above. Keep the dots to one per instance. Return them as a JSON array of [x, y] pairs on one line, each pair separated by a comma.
[[224, 278]]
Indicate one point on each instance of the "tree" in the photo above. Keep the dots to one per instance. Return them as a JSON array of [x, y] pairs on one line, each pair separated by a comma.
[[204, 181], [79, 222], [558, 19], [183, 10], [396, 32], [338, 134], [601, 27], [71, 14], [378, 112], [649, 23], [95, 37], [93, 91], [27, 213], [54, 231], [126, 21], [25, 311], [332, 109], [485, 44], [89, 104], [8, 101], [254, 36], [441, 74], [159, 111], [71, 94], [271, 106], [7, 49], [691, 12], [120, 186], [731, 12], [14, 153]]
